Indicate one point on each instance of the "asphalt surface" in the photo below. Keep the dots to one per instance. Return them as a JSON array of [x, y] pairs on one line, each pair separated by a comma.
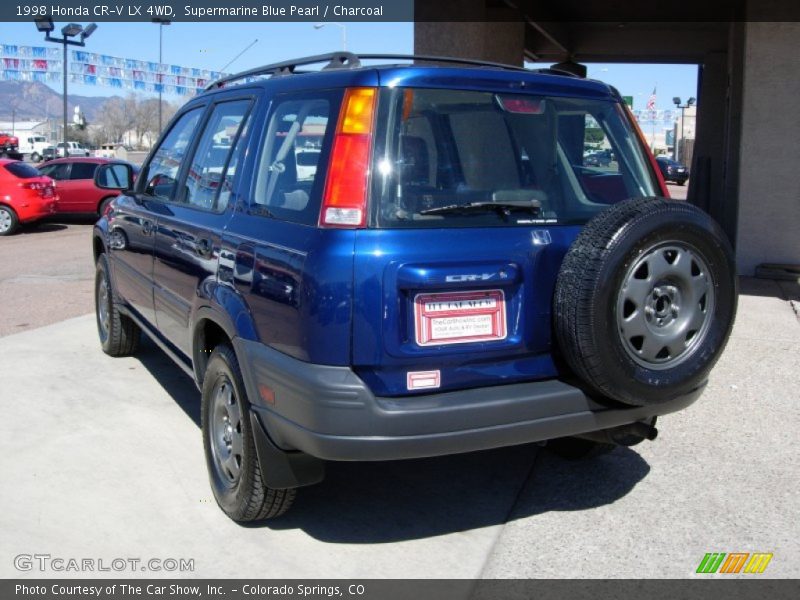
[[678, 191], [46, 275], [106, 460]]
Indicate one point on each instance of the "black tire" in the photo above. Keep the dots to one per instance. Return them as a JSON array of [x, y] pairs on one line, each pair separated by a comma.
[[572, 448], [624, 252], [233, 467], [101, 208], [680, 182], [8, 220], [119, 335], [36, 157]]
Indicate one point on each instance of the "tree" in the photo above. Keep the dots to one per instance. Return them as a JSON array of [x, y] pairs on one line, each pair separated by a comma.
[[594, 135], [115, 119]]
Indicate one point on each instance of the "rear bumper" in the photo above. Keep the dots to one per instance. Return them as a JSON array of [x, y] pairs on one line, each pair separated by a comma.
[[677, 177], [329, 413], [32, 210]]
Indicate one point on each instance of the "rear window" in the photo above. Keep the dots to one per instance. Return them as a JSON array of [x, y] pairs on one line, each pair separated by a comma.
[[463, 158], [22, 170]]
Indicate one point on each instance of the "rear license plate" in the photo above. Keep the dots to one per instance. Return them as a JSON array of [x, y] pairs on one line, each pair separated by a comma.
[[459, 317]]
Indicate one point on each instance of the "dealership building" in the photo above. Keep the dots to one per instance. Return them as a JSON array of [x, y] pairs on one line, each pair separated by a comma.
[[747, 140]]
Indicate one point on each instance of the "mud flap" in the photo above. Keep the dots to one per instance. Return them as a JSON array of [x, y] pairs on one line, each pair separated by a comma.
[[280, 469]]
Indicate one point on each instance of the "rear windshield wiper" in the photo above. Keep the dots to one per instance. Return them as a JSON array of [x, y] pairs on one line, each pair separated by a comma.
[[504, 208]]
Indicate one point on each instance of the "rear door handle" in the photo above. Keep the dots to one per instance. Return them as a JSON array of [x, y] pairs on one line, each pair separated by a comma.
[[204, 247]]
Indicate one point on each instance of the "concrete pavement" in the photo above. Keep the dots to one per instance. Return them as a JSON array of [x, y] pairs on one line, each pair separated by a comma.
[[107, 461], [723, 476], [102, 458]]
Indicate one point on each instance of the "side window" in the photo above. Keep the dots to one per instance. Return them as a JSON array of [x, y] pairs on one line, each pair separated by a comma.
[[162, 172], [226, 185], [290, 170], [208, 171], [81, 170], [59, 171]]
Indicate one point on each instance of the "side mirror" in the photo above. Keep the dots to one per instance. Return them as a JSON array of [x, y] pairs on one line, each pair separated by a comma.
[[114, 176]]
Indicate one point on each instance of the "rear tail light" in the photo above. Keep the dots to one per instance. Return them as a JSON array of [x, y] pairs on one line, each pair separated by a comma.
[[45, 190], [344, 202]]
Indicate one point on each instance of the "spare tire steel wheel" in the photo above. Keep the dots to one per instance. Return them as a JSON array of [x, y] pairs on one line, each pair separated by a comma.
[[645, 300]]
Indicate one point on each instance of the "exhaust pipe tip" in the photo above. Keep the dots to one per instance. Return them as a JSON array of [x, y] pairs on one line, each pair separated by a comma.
[[624, 435]]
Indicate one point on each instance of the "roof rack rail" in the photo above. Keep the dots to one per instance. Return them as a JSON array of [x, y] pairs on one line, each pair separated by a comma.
[[349, 60], [335, 60], [442, 59], [554, 71], [466, 61]]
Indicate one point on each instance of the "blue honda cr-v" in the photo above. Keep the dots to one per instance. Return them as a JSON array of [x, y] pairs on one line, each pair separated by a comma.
[[399, 261]]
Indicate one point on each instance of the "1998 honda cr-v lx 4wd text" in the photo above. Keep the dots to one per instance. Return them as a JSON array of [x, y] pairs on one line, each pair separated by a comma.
[[446, 276]]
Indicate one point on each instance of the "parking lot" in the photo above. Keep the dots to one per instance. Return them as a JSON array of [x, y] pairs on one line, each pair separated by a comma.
[[106, 460]]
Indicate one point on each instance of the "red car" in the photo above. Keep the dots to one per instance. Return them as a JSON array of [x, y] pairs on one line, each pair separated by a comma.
[[8, 142], [74, 178], [25, 195]]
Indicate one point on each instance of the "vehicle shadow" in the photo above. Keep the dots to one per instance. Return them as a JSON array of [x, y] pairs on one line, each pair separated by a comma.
[[769, 288], [40, 227], [369, 502], [175, 382], [75, 219]]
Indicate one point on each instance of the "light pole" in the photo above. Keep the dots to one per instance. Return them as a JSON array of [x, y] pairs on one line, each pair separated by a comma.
[[160, 22], [340, 26], [45, 25], [677, 101]]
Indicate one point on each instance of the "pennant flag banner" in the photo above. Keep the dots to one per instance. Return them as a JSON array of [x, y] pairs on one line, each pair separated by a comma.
[[14, 51], [19, 75], [43, 64], [664, 117], [126, 73]]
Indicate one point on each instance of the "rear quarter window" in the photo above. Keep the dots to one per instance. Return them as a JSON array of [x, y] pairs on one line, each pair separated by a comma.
[[83, 170], [294, 154]]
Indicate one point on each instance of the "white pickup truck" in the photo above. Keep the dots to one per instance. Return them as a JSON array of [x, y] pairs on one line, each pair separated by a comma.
[[74, 148]]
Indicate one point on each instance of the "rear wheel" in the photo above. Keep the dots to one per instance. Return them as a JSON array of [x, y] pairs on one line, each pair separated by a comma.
[[101, 208], [119, 335], [233, 467], [8, 220], [645, 300]]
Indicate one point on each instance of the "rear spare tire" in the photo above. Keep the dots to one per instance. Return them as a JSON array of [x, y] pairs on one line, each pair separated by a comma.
[[645, 300]]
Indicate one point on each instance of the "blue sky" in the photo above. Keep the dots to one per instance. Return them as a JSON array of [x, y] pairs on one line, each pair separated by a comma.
[[212, 45]]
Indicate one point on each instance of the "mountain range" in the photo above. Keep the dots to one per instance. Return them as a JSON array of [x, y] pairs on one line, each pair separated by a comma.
[[33, 101]]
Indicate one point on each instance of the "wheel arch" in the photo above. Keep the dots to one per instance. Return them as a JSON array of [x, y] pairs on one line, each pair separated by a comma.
[[210, 330], [98, 246]]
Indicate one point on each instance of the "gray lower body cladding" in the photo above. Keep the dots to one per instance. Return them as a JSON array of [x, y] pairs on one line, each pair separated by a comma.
[[329, 413]]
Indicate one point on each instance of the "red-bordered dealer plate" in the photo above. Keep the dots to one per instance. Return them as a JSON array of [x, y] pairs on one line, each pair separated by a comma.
[[459, 317]]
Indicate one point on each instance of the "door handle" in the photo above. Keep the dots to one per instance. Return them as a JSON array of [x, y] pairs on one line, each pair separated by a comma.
[[204, 248]]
